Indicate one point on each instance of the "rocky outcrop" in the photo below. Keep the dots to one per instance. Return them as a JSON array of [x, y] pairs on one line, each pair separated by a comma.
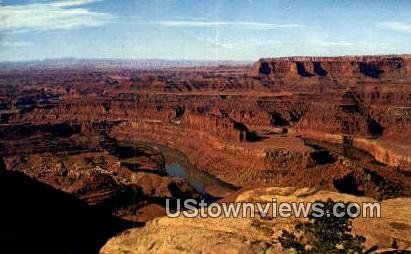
[[257, 235]]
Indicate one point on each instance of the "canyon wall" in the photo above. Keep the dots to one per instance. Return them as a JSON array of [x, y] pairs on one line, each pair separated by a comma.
[[365, 97]]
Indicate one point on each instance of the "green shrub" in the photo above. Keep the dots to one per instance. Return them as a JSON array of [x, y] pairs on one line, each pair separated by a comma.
[[326, 234]]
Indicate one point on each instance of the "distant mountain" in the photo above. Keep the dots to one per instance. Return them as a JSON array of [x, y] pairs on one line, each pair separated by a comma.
[[115, 63]]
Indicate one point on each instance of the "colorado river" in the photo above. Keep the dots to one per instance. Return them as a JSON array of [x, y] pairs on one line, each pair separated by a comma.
[[174, 163]]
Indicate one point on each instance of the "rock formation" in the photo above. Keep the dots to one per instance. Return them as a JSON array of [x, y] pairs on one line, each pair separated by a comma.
[[352, 68]]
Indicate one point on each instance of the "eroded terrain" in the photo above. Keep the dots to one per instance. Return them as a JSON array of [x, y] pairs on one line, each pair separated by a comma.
[[123, 140]]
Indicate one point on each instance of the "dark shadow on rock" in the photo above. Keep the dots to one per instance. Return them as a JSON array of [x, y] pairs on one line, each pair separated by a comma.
[[322, 157], [179, 111], [278, 120], [264, 68], [370, 70], [318, 69], [253, 136], [246, 134], [348, 184], [302, 71], [374, 128], [36, 218]]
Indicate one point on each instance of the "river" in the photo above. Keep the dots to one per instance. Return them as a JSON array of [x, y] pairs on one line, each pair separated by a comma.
[[174, 163]]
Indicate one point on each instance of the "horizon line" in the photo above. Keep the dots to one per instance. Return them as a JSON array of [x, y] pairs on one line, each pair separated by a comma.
[[196, 59]]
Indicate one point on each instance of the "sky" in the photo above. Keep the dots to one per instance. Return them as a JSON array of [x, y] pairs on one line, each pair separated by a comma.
[[201, 29]]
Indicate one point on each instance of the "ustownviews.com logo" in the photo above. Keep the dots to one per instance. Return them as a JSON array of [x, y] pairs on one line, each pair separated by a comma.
[[192, 208]]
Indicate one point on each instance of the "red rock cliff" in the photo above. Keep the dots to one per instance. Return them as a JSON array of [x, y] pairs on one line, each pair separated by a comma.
[[346, 67]]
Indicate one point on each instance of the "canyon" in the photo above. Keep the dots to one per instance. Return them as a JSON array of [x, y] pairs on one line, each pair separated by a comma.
[[119, 140]]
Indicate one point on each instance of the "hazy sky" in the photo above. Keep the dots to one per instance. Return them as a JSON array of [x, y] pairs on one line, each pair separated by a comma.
[[201, 29]]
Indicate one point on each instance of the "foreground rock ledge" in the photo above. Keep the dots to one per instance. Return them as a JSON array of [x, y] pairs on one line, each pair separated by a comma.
[[252, 235]]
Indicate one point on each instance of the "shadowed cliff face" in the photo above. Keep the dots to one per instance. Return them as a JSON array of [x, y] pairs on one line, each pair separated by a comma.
[[36, 218]]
